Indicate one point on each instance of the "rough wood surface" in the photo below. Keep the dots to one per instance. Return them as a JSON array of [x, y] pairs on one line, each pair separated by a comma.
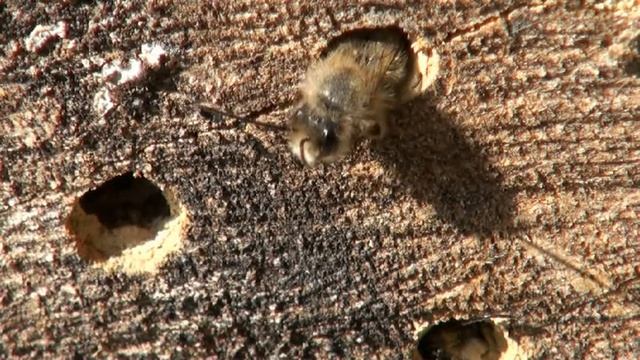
[[512, 187]]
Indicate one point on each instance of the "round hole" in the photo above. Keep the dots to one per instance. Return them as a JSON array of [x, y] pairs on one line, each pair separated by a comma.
[[127, 224]]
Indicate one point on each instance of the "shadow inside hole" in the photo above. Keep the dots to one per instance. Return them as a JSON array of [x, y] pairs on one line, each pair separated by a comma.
[[120, 214], [460, 339], [632, 66], [125, 200], [386, 34], [442, 168]]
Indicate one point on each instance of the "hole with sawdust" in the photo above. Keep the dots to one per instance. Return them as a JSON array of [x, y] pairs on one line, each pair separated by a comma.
[[127, 224], [485, 339]]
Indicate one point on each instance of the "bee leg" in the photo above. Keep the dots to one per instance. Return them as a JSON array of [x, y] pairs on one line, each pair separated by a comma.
[[375, 129]]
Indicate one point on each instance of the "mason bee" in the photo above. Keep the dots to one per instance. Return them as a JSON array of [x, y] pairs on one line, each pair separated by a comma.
[[349, 93], [462, 340]]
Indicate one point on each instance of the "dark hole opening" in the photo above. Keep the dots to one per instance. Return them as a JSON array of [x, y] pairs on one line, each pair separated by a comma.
[[392, 34], [126, 200], [632, 66]]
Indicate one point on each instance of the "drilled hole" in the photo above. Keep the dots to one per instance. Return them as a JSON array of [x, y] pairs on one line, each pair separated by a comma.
[[127, 223], [466, 339]]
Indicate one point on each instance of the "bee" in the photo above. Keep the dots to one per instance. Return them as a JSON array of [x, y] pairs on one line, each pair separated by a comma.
[[349, 93], [462, 340]]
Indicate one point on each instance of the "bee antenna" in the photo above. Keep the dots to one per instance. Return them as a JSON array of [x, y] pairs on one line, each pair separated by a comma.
[[217, 115]]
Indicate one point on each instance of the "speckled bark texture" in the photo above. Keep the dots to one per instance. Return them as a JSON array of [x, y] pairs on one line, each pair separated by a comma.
[[510, 188]]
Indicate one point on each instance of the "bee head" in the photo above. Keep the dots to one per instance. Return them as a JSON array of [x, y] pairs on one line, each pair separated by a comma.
[[315, 136]]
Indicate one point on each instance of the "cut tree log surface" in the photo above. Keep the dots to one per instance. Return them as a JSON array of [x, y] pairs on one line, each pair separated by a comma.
[[511, 188]]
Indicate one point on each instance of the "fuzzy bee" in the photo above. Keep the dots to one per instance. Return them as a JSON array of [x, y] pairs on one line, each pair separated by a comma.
[[462, 340], [348, 94]]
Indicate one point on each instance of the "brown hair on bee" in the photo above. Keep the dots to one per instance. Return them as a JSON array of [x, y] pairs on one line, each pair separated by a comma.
[[462, 339], [348, 94]]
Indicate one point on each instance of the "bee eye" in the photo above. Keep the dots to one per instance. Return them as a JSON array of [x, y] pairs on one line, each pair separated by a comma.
[[329, 138]]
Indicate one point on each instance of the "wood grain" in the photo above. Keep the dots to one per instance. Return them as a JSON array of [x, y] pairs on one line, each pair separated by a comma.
[[510, 188]]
